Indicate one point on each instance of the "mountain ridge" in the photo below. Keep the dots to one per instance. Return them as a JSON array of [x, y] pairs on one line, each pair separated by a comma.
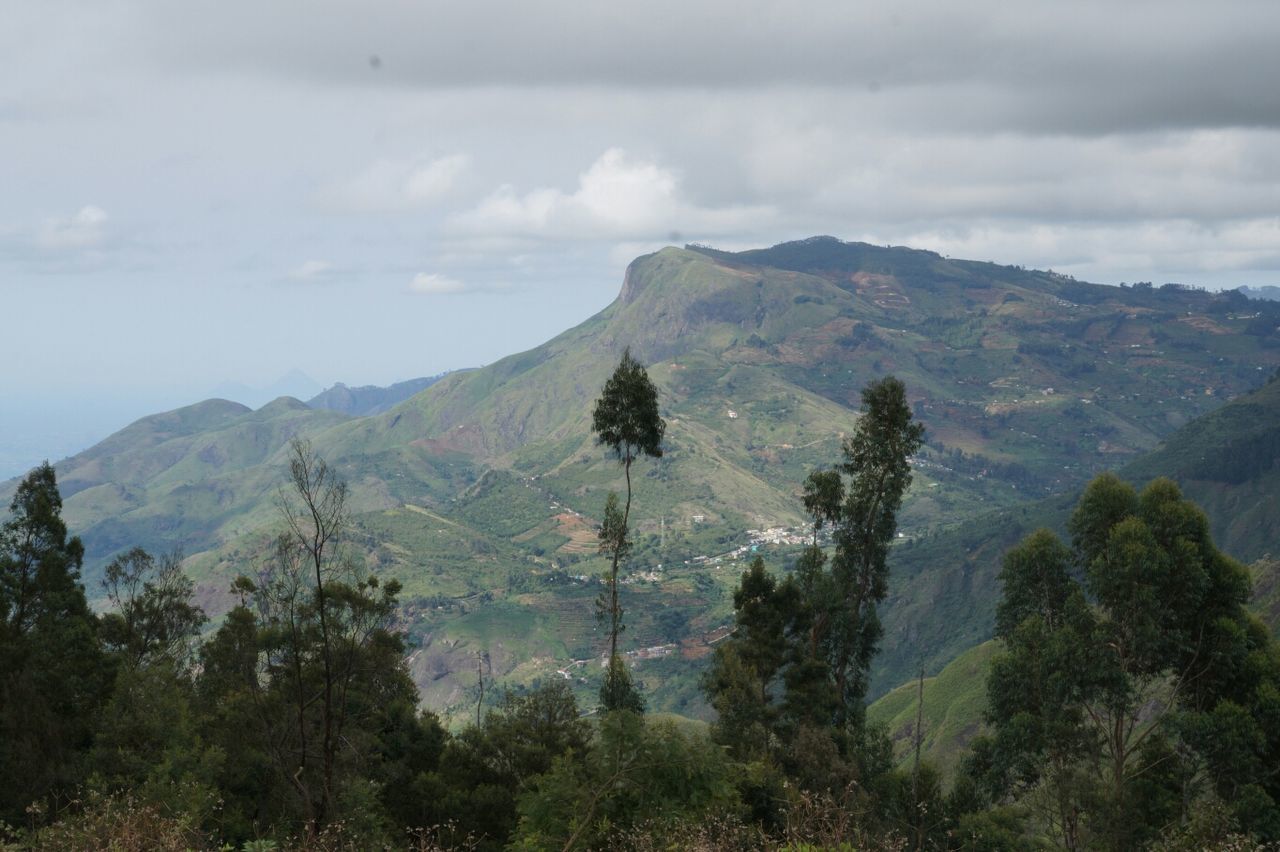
[[1028, 381], [369, 399]]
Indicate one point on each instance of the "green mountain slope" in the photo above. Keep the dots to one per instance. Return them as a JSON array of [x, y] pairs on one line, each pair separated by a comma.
[[944, 586], [479, 493], [192, 477], [954, 701], [1266, 591], [1229, 463]]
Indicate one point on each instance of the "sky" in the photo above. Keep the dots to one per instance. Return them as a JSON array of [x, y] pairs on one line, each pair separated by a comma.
[[201, 195]]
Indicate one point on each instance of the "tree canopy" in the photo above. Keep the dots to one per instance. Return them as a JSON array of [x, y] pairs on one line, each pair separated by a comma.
[[1133, 683]]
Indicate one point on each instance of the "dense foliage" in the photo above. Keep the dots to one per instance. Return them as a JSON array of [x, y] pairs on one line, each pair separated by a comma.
[[789, 687], [1134, 690], [1133, 703]]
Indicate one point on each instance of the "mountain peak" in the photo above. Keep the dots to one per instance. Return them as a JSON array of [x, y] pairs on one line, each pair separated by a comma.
[[637, 277], [282, 404]]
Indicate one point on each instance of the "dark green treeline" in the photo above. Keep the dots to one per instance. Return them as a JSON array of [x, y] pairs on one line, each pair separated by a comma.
[[1134, 704]]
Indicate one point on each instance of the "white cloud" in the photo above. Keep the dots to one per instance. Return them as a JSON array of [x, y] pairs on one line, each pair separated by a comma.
[[1169, 250], [84, 230], [617, 197], [310, 270], [398, 185], [435, 284], [435, 179]]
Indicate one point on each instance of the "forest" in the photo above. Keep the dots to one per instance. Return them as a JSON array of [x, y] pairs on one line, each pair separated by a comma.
[[1134, 702]]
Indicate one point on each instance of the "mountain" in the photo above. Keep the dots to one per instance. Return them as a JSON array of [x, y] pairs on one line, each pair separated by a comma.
[[954, 700], [479, 492], [294, 383], [369, 399], [1266, 591], [1269, 292], [1227, 461]]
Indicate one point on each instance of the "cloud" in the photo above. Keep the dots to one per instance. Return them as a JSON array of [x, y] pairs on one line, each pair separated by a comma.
[[1162, 251], [434, 180], [435, 284], [86, 229], [1050, 134], [617, 197], [1083, 67], [398, 185], [310, 270]]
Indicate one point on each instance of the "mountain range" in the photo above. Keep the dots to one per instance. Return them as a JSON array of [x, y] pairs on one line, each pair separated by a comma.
[[1269, 291], [369, 399], [479, 491]]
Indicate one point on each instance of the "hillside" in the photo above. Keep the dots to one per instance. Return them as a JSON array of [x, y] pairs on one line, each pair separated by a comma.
[[944, 589], [479, 492], [954, 701], [1229, 463], [1266, 591], [1038, 379]]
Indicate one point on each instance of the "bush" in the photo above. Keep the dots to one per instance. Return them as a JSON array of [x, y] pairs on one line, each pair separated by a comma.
[[118, 823]]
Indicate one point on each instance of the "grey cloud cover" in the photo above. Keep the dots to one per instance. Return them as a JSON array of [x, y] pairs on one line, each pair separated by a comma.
[[1035, 65], [273, 198]]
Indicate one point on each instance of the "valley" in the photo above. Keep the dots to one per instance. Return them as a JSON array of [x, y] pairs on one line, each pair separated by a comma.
[[481, 491]]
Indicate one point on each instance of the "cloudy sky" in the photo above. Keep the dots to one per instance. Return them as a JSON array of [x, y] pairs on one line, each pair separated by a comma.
[[196, 193]]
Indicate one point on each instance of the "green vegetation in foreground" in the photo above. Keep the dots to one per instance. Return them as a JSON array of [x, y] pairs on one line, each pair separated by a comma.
[[1127, 698], [294, 725], [945, 583], [955, 699]]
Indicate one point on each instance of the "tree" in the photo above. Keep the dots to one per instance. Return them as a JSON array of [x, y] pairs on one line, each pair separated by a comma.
[[153, 617], [316, 517], [742, 681], [625, 420], [147, 741], [53, 675], [794, 672], [486, 768], [1131, 674], [636, 771], [877, 464], [314, 663]]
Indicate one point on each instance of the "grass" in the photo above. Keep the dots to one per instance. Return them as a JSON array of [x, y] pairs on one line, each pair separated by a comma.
[[954, 701]]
